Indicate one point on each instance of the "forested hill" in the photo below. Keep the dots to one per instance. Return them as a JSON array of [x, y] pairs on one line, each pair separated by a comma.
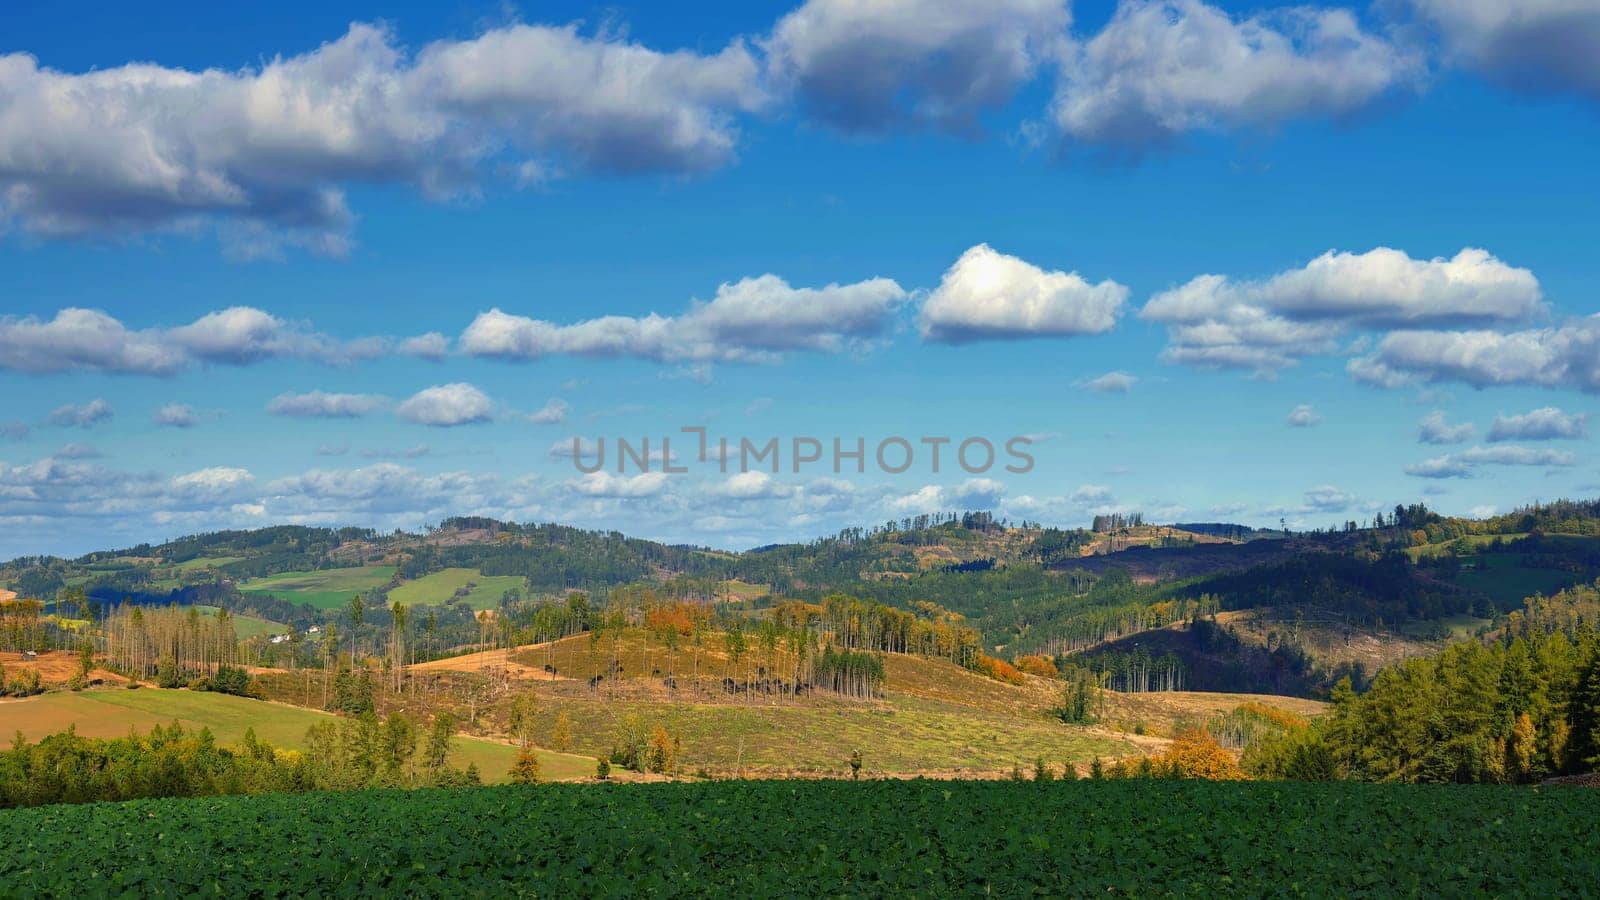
[[1308, 606]]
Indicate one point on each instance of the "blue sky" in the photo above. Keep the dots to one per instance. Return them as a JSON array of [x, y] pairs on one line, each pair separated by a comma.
[[1398, 203]]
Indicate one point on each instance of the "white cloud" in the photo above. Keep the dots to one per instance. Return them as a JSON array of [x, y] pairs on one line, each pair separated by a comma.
[[432, 346], [972, 494], [264, 152], [1566, 356], [1162, 68], [1327, 498], [1460, 465], [1217, 322], [447, 405], [1544, 424], [552, 413], [1534, 46], [989, 295], [212, 485], [1092, 493], [1303, 417], [1435, 430], [1111, 383], [85, 415], [77, 451], [324, 405], [176, 415], [605, 484], [870, 67], [756, 319], [752, 486], [83, 339], [90, 340]]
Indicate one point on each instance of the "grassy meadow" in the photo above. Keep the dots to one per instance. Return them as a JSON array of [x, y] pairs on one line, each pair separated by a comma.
[[324, 588], [441, 588]]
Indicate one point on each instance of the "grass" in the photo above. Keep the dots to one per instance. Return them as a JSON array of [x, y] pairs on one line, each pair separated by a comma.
[[112, 713], [247, 626], [206, 562], [935, 716], [439, 589], [325, 588], [1507, 583]]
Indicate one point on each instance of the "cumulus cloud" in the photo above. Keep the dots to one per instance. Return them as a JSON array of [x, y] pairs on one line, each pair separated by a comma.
[[605, 484], [447, 405], [213, 484], [1218, 322], [1435, 430], [1544, 424], [552, 413], [1565, 356], [324, 405], [1327, 498], [90, 340], [432, 346], [989, 295], [972, 494], [752, 320], [176, 415], [266, 151], [85, 415], [1162, 68], [1534, 46], [751, 486], [1460, 465], [1110, 383], [870, 67], [1303, 416]]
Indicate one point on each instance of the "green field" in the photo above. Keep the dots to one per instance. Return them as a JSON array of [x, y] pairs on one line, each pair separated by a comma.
[[206, 562], [834, 838], [247, 626], [325, 588], [112, 713], [1508, 583], [440, 589]]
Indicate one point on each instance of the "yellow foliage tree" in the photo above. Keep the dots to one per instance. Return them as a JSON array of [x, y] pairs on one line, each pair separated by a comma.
[[1196, 754], [526, 768], [561, 735]]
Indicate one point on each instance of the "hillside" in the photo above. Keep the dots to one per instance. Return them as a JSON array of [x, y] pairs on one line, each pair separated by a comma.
[[1364, 596]]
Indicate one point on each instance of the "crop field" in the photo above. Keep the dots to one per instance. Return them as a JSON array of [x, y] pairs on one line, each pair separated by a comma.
[[824, 838], [324, 589], [112, 713], [440, 588]]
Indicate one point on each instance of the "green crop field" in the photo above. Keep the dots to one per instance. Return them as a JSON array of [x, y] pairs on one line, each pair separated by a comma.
[[112, 713], [440, 588], [922, 838], [324, 589]]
